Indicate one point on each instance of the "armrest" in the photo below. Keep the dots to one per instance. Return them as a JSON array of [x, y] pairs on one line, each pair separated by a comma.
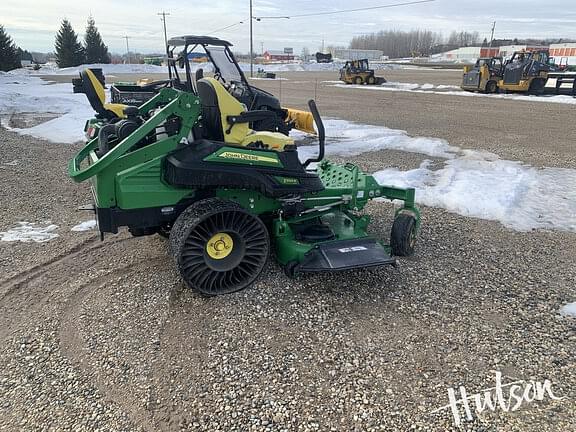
[[248, 117]]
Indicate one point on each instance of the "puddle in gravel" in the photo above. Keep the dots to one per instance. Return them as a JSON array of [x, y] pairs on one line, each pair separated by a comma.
[[27, 120]]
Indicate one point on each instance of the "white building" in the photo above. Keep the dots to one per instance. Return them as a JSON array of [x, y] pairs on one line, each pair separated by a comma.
[[464, 54], [508, 50], [563, 53], [357, 54]]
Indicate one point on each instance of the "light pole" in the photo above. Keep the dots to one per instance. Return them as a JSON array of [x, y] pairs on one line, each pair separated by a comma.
[[252, 17], [163, 14], [492, 35], [127, 49], [251, 44]]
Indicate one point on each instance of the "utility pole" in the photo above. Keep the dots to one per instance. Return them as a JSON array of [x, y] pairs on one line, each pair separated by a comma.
[[492, 35], [163, 14], [127, 48], [251, 44], [262, 48]]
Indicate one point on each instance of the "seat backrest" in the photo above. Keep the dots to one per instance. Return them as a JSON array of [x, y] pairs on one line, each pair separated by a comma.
[[94, 90], [217, 105]]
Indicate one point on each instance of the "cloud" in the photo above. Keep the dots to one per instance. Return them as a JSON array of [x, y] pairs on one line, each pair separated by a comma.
[[33, 24]]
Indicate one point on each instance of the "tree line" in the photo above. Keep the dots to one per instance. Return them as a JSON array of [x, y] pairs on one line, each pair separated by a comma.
[[69, 51], [397, 43]]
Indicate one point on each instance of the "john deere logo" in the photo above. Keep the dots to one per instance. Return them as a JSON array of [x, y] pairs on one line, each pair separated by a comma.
[[247, 157]]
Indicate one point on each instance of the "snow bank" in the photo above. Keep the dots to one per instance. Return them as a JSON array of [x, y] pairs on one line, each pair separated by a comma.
[[27, 94], [517, 195], [27, 232], [345, 138], [84, 226], [52, 69], [470, 183]]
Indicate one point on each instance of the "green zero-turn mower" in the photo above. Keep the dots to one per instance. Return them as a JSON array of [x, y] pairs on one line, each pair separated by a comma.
[[226, 195]]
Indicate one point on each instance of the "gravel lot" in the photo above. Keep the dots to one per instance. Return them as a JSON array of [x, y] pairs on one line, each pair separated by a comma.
[[103, 336]]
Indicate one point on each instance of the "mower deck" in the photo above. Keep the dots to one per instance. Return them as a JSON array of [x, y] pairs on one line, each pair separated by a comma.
[[345, 255]]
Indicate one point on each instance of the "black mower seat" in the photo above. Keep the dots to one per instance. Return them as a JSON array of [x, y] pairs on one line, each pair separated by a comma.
[[196, 165], [225, 119], [96, 94]]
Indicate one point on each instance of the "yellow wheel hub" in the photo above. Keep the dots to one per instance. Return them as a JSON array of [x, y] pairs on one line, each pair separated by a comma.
[[219, 246]]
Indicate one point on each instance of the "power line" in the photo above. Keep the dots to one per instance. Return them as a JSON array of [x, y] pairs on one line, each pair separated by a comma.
[[349, 10], [224, 28], [322, 13]]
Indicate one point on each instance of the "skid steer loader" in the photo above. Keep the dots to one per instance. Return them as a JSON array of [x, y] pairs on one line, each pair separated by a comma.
[[359, 72], [484, 75]]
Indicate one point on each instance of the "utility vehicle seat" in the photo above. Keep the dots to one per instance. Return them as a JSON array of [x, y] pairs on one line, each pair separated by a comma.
[[227, 120], [97, 97]]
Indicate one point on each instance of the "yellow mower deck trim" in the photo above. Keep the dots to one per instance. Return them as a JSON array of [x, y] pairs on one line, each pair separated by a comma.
[[303, 120]]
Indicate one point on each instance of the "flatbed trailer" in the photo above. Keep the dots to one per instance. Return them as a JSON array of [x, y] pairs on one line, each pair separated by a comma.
[[563, 79]]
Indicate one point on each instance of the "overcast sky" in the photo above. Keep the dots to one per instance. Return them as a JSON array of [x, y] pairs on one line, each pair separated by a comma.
[[33, 24]]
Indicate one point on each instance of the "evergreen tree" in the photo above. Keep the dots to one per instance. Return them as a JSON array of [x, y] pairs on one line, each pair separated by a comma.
[[96, 51], [69, 52], [9, 58]]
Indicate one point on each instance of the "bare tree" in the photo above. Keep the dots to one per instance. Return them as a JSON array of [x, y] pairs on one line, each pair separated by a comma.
[[463, 38], [395, 43]]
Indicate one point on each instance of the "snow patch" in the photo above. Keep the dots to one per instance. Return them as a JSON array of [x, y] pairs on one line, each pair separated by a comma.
[[417, 88], [517, 195], [26, 94], [84, 226], [27, 232], [568, 310], [269, 79], [345, 138], [468, 182], [393, 85], [445, 87]]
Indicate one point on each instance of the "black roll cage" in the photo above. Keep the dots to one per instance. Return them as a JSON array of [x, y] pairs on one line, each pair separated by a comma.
[[194, 42]]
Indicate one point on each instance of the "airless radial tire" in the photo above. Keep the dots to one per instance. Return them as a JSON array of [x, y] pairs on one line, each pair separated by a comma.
[[218, 246]]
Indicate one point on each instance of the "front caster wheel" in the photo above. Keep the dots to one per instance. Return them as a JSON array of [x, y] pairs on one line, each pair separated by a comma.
[[403, 235], [219, 247]]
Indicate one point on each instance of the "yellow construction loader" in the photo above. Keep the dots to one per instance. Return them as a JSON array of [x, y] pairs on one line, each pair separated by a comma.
[[483, 76], [359, 72]]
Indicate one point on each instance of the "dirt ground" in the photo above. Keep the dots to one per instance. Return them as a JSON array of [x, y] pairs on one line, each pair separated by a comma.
[[103, 335]]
